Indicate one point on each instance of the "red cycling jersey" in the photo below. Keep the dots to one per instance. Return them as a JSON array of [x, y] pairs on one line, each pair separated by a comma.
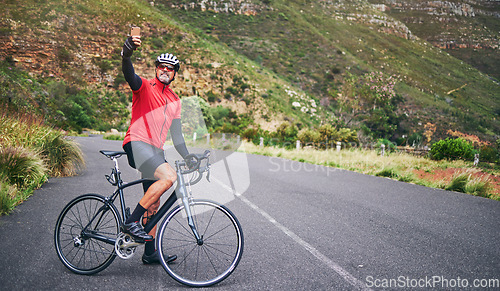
[[154, 106]]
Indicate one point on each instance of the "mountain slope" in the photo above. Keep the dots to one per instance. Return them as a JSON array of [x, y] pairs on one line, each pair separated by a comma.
[[467, 30], [79, 43], [261, 59], [314, 45]]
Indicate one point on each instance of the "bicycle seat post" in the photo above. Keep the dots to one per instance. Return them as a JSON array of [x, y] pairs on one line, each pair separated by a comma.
[[114, 159]]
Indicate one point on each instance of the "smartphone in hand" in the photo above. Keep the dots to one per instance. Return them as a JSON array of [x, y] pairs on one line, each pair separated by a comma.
[[135, 31]]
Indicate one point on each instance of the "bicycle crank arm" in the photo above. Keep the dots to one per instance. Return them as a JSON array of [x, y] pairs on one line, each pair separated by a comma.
[[131, 244]]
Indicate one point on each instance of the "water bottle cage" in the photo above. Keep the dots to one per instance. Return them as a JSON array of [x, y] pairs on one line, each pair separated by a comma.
[[111, 178]]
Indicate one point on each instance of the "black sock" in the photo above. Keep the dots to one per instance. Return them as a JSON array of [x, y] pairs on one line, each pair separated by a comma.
[[149, 248], [136, 215]]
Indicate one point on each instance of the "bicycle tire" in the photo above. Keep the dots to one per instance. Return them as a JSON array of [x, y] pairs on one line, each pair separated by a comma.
[[206, 264], [78, 252]]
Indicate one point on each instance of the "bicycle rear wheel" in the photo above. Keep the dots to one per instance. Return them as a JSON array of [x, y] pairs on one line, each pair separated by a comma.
[[206, 262], [85, 233]]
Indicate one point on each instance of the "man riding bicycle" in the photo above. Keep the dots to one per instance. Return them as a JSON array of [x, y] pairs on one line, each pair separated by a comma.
[[156, 109]]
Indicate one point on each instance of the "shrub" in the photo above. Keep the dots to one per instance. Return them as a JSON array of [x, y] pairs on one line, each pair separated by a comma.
[[488, 154], [328, 133], [61, 156], [415, 139], [478, 187], [452, 149], [458, 183], [29, 152], [250, 133], [465, 182], [408, 178], [308, 136], [211, 97], [64, 56], [388, 172], [113, 137], [347, 135], [287, 131], [389, 146], [22, 167], [119, 79], [64, 156], [8, 193]]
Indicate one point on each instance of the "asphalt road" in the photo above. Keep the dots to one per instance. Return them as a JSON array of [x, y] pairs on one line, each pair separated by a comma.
[[305, 227]]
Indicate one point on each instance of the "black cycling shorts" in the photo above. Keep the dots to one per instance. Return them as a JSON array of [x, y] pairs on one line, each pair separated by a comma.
[[144, 157]]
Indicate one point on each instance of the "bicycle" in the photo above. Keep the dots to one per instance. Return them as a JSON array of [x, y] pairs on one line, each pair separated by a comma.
[[206, 236]]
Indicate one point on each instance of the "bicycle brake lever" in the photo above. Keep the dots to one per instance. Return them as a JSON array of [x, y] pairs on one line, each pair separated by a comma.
[[208, 172]]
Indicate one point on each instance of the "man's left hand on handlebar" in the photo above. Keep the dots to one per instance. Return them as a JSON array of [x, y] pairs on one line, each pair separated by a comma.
[[191, 162]]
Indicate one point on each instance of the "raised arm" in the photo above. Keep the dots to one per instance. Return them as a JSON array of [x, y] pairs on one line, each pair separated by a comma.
[[131, 44]]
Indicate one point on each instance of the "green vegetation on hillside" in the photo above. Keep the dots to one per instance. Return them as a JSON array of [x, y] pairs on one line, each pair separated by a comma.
[[63, 105], [259, 64], [319, 47]]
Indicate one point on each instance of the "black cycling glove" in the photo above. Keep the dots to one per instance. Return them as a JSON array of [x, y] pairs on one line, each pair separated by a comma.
[[128, 48], [191, 162]]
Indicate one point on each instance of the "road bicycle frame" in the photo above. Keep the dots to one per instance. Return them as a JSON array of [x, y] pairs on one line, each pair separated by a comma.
[[206, 251], [116, 180]]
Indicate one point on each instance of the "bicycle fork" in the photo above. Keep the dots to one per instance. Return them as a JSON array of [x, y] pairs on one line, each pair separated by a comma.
[[185, 201]]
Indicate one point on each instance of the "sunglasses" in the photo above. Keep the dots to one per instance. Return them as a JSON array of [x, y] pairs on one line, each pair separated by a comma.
[[165, 67]]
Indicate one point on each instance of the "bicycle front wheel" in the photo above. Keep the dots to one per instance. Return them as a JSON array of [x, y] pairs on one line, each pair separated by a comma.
[[85, 233], [207, 261]]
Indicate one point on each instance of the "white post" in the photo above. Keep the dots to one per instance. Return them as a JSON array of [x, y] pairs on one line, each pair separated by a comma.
[[261, 144], [297, 145], [383, 149], [339, 145], [208, 139], [194, 137], [238, 139]]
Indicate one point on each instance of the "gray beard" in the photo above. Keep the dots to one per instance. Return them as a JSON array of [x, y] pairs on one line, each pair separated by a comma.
[[164, 78]]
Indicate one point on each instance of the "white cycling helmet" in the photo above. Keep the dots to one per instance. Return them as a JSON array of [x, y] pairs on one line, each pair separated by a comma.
[[168, 59]]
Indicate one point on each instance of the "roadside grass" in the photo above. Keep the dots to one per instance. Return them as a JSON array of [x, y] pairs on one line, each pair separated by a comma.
[[398, 166], [30, 152], [114, 136]]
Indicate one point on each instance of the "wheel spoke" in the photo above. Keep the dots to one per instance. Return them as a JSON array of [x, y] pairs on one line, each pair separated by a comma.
[[91, 255], [210, 260]]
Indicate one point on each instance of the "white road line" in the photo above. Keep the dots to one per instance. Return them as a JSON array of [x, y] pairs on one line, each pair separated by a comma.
[[331, 264]]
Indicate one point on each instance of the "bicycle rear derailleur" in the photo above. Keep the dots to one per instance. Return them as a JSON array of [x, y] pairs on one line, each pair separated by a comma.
[[125, 246]]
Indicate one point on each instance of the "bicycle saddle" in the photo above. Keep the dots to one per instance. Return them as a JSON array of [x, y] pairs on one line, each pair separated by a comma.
[[111, 154]]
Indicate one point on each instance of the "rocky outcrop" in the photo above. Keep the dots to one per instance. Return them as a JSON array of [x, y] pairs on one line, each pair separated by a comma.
[[223, 6], [434, 7], [368, 14], [445, 17], [57, 49]]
